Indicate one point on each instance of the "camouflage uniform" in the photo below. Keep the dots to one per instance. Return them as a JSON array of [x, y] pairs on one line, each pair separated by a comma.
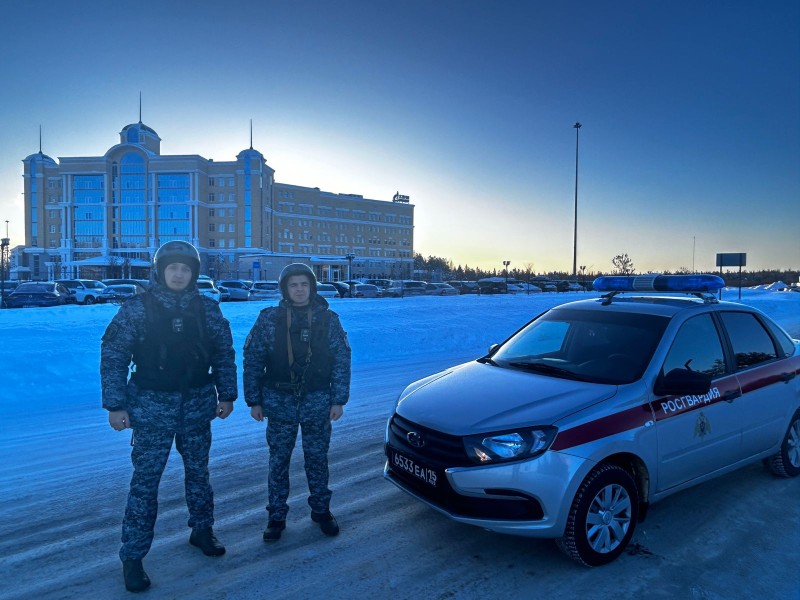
[[308, 410], [159, 417]]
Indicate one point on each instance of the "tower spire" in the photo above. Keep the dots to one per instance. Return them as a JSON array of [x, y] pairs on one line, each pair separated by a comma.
[[40, 138], [140, 106], [251, 134]]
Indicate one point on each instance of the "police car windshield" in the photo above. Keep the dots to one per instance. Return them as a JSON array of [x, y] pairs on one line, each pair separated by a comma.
[[595, 346]]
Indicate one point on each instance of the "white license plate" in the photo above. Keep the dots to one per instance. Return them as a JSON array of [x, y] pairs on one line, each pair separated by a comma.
[[412, 467]]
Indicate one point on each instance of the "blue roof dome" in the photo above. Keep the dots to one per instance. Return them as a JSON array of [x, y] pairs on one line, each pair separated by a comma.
[[140, 127], [249, 153], [40, 157]]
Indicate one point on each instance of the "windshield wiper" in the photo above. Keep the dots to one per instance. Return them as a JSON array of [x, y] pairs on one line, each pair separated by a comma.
[[487, 360], [548, 369]]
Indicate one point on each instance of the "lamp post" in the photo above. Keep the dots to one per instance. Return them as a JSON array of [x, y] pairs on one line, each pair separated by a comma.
[[583, 275], [4, 243], [505, 264], [577, 127], [350, 258]]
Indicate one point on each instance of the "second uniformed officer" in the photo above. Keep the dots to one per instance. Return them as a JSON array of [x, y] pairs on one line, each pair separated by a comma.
[[183, 376], [297, 375]]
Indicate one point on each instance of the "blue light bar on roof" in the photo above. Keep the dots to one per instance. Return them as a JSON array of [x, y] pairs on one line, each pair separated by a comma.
[[689, 284]]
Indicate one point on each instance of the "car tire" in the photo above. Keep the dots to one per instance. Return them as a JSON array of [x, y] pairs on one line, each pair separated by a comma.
[[88, 300], [786, 462], [602, 518]]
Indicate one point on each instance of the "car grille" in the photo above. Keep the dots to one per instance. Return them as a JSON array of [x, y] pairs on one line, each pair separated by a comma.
[[442, 451]]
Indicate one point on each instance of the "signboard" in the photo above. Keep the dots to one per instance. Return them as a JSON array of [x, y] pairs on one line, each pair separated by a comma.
[[398, 197], [732, 259]]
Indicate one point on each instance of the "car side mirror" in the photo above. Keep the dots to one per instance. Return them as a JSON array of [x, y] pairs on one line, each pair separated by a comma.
[[492, 348], [679, 382]]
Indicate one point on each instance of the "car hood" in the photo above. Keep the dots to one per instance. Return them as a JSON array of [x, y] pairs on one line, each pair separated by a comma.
[[476, 397]]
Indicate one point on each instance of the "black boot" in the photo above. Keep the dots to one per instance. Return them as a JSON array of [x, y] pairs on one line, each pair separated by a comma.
[[327, 523], [207, 542], [273, 531], [136, 580]]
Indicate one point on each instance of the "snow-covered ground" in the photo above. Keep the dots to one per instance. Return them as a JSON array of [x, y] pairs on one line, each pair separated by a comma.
[[64, 476]]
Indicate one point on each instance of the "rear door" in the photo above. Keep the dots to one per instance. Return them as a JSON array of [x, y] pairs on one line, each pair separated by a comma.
[[766, 378]]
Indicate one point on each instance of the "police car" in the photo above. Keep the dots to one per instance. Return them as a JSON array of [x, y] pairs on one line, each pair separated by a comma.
[[595, 409]]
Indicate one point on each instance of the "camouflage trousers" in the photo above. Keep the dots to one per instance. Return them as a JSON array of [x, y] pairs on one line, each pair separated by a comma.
[[281, 439], [149, 456]]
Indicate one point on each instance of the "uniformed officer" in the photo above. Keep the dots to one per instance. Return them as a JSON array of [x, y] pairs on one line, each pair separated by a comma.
[[297, 375], [183, 376]]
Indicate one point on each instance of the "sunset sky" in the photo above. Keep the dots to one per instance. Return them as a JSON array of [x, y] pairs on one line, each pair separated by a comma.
[[690, 142]]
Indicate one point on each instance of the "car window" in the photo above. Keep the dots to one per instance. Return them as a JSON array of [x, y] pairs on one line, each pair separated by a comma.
[[697, 347], [784, 341], [752, 345]]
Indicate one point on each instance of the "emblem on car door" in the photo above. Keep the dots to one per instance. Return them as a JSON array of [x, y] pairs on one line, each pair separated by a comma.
[[415, 439], [702, 427]]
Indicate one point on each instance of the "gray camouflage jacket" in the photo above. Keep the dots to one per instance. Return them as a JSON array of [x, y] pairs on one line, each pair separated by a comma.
[[283, 405], [173, 411]]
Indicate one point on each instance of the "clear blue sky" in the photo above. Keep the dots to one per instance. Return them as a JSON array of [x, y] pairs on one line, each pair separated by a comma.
[[690, 142]]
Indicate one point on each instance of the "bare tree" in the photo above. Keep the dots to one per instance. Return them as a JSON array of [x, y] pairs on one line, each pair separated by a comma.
[[623, 265]]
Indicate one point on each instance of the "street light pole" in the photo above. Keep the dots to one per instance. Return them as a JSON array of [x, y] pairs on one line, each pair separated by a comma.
[[350, 258], [505, 264], [4, 243], [577, 127]]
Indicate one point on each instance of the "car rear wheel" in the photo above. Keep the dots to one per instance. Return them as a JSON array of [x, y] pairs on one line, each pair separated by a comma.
[[88, 300], [602, 517], [786, 462]]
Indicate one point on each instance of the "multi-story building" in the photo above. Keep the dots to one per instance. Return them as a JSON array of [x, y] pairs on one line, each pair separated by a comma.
[[103, 216]]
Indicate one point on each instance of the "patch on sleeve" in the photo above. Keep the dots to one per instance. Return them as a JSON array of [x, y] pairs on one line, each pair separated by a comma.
[[112, 331]]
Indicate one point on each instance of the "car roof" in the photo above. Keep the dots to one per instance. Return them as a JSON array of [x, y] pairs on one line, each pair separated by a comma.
[[667, 306]]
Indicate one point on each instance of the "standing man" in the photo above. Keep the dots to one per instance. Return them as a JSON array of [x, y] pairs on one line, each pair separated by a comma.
[[183, 376], [297, 375]]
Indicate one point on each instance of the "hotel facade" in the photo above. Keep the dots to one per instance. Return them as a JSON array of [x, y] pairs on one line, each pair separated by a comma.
[[105, 216]]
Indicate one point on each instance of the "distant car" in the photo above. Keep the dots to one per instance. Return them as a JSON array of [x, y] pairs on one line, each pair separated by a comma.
[[327, 290], [529, 288], [569, 286], [440, 289], [239, 289], [8, 287], [265, 290], [341, 287], [492, 285], [224, 294], [39, 293], [207, 288], [141, 283], [513, 288], [117, 293], [405, 287], [465, 287], [381, 284], [364, 290], [86, 291], [598, 408]]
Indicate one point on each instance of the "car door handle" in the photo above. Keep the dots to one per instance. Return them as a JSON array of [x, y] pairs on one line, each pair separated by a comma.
[[787, 377], [731, 396]]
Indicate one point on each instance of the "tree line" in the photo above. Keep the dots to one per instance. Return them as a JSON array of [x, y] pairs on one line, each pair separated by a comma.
[[443, 269]]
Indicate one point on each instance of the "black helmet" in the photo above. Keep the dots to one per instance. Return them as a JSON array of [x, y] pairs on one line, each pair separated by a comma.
[[176, 251], [296, 269]]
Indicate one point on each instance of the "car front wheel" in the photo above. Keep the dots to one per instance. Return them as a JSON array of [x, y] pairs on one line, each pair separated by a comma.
[[602, 517], [88, 300], [786, 462]]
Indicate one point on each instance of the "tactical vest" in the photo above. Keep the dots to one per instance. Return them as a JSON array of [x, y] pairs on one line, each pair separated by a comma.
[[314, 375], [174, 352]]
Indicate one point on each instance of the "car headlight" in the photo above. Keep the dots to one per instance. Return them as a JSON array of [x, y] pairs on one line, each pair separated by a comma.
[[513, 445]]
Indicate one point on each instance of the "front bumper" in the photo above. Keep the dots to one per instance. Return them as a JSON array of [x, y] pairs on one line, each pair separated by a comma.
[[528, 498]]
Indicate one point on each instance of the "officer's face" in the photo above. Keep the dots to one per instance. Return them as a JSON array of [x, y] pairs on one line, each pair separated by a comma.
[[299, 288], [177, 276]]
